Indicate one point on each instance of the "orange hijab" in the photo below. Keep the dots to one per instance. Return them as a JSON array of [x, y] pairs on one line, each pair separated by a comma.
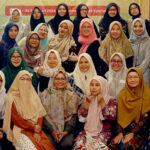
[[131, 105]]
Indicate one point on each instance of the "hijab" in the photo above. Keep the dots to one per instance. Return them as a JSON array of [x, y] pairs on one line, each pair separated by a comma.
[[63, 44], [43, 42], [35, 22], [138, 7], [54, 23], [84, 40], [133, 104], [116, 80]]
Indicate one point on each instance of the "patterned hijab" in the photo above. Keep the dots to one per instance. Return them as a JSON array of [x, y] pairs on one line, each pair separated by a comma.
[[133, 104], [63, 44], [110, 45], [33, 56]]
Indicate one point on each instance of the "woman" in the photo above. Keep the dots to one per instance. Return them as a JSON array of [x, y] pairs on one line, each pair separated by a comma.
[[111, 14], [15, 17], [36, 18], [23, 125], [61, 104], [140, 42], [90, 44], [135, 12], [116, 41], [15, 64], [98, 111], [133, 106], [117, 73], [82, 12], [33, 52], [62, 13], [51, 64], [64, 43]]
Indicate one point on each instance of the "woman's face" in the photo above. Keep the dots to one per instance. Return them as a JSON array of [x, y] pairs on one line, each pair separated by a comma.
[[116, 63], [60, 81], [1, 81], [25, 77], [36, 14], [112, 11], [15, 16], [16, 59], [133, 79], [86, 29], [134, 10], [84, 64], [62, 11], [84, 11], [95, 88], [138, 28], [52, 60], [34, 41], [115, 31], [63, 29], [13, 32], [43, 32]]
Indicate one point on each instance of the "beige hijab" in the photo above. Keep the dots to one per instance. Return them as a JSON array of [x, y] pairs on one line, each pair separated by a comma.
[[111, 45], [27, 103], [63, 44]]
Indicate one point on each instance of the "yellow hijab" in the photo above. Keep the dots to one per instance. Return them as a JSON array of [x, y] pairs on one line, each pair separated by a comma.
[[131, 105]]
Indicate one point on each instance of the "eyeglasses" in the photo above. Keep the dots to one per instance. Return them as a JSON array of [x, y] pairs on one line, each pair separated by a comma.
[[60, 79], [116, 61], [133, 77], [36, 39], [84, 9], [16, 57], [133, 8], [27, 79], [112, 10], [42, 30]]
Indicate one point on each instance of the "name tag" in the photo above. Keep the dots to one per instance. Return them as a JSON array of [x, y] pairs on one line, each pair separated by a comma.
[[37, 56]]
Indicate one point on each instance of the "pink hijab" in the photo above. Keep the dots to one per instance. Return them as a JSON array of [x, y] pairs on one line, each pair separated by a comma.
[[94, 124], [86, 40]]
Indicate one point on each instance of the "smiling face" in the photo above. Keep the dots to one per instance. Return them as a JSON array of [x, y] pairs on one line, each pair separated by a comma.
[[52, 60], [15, 16], [62, 10], [115, 31], [13, 32], [138, 28], [84, 11], [133, 79], [86, 29], [63, 29], [60, 81], [43, 32], [116, 63], [34, 41], [36, 14], [112, 11], [95, 88], [16, 59], [134, 10], [84, 64]]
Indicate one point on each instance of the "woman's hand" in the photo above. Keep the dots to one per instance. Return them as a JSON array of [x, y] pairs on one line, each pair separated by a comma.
[[37, 129], [40, 70], [128, 137], [118, 138], [73, 57], [55, 135], [61, 135], [37, 137]]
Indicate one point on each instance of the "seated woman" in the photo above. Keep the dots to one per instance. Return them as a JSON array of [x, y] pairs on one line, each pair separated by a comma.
[[15, 64], [116, 41], [61, 104], [64, 43], [133, 106], [98, 111], [140, 42], [117, 73], [90, 44], [23, 125]]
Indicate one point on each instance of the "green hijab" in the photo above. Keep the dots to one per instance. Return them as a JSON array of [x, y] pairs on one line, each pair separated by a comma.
[[11, 71]]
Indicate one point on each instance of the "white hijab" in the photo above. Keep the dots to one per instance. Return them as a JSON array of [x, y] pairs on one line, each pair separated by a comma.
[[115, 79], [82, 79], [2, 96]]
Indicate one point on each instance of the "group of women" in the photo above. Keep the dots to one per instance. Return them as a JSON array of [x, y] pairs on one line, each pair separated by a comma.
[[65, 85]]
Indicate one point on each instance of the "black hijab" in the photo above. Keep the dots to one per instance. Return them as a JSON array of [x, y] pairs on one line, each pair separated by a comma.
[[54, 23], [35, 22]]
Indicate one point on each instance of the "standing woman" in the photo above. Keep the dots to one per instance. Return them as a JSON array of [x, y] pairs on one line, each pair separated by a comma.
[[36, 18], [116, 41], [24, 115], [15, 17], [140, 42], [62, 13], [90, 44], [64, 43], [81, 13], [117, 73], [111, 14], [135, 12]]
